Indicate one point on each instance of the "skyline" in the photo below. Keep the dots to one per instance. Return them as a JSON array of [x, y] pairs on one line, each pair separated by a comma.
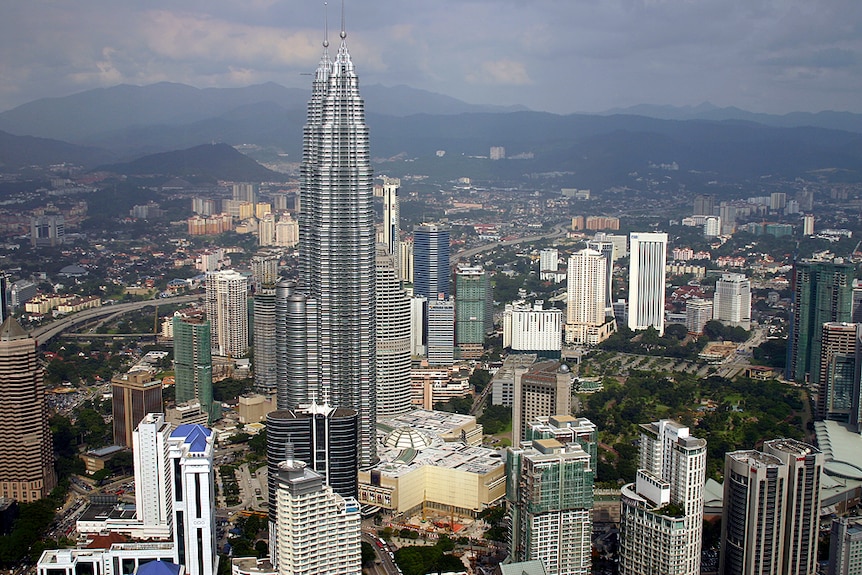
[[791, 56]]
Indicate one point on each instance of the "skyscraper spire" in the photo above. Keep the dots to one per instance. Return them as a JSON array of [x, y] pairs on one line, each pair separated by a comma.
[[343, 29]]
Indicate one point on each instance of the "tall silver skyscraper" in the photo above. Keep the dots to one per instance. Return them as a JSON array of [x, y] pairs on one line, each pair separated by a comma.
[[336, 253]]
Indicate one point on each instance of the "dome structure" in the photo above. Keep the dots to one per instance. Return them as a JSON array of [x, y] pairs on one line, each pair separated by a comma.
[[407, 438]]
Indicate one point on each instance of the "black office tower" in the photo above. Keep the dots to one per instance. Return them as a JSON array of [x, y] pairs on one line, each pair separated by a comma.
[[323, 437]]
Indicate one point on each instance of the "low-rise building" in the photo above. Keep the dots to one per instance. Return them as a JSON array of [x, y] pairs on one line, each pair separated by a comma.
[[432, 461]]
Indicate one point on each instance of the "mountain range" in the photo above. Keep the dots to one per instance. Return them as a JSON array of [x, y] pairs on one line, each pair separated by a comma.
[[706, 111], [124, 123]]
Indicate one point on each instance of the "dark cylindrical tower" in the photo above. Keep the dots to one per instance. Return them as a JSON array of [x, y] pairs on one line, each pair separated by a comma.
[[323, 437]]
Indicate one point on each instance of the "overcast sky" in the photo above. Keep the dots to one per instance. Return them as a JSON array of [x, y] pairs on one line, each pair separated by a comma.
[[560, 56]]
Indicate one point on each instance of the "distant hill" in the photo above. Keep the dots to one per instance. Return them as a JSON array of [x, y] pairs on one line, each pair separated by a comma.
[[21, 151], [832, 120], [137, 122], [209, 161], [95, 115]]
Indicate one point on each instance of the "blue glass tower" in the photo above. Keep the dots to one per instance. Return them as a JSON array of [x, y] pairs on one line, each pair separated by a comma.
[[431, 261]]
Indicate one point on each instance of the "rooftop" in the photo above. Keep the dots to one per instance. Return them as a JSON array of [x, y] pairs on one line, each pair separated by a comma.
[[12, 330], [755, 458], [196, 436], [398, 461], [793, 446], [842, 449], [431, 422]]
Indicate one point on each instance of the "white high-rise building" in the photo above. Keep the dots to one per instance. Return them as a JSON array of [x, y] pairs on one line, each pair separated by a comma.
[[264, 269], [712, 227], [317, 530], [266, 230], [531, 329], [440, 337], [606, 248], [393, 339], [647, 281], [548, 263], [174, 500], [418, 310], [732, 302], [808, 224], [405, 261], [845, 547], [697, 312], [586, 298], [227, 310], [662, 512], [619, 243], [190, 457], [153, 487], [391, 229], [286, 232]]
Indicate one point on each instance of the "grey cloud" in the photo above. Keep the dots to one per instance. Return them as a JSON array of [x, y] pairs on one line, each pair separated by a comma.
[[558, 55]]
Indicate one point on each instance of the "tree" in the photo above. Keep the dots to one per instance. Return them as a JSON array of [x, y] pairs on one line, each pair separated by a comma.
[[676, 330], [479, 379], [257, 444], [445, 543], [122, 463], [496, 418], [368, 553], [460, 405]]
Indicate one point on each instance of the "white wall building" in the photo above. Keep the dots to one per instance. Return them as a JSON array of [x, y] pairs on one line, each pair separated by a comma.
[[586, 301], [531, 329], [845, 547], [405, 261], [317, 530], [391, 226], [227, 310], [661, 522], [287, 232], [732, 302], [418, 309], [190, 453], [712, 227], [548, 263], [266, 230], [697, 312], [619, 242], [153, 488], [440, 337], [647, 281], [174, 500]]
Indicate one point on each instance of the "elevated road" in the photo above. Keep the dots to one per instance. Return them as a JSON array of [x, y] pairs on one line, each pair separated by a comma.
[[47, 332], [558, 231]]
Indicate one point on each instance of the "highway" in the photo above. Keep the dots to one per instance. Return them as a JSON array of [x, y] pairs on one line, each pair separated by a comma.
[[559, 230], [386, 564], [47, 332]]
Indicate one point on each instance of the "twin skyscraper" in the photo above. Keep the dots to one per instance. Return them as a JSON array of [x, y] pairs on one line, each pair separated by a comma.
[[337, 250]]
